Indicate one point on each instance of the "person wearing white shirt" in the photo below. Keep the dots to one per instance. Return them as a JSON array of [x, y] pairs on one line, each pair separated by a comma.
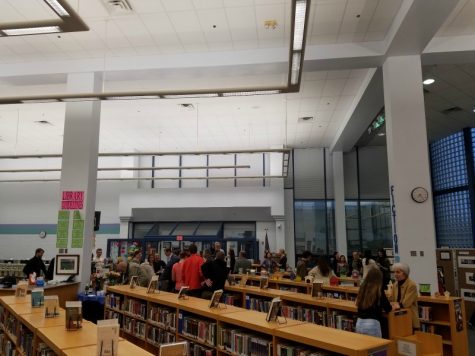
[[99, 258], [368, 263]]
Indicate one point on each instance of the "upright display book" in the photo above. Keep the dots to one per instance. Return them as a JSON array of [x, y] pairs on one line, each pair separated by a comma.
[[214, 302], [133, 281], [243, 281], [274, 310], [51, 306], [107, 337], [37, 298], [182, 292], [153, 285], [21, 289], [73, 315], [317, 289], [264, 282]]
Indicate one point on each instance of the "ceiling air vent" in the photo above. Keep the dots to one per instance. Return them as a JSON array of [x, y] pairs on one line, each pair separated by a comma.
[[117, 7], [187, 106], [305, 119], [451, 110], [43, 122]]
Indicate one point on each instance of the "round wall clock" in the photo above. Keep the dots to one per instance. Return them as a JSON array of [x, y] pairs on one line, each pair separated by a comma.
[[419, 194]]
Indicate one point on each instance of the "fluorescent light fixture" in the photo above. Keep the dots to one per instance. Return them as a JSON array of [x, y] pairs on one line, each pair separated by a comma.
[[181, 96], [295, 69], [428, 81], [58, 8], [381, 134], [73, 100], [299, 24], [133, 97], [35, 101], [248, 93], [31, 30]]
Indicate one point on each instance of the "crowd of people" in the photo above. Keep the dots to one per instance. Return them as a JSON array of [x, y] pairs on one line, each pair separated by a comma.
[[207, 271]]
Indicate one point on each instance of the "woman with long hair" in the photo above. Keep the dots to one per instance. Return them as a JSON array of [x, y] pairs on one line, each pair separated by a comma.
[[371, 301]]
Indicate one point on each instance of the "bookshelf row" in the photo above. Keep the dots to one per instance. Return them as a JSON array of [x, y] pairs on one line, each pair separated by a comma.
[[24, 331], [439, 315], [151, 319]]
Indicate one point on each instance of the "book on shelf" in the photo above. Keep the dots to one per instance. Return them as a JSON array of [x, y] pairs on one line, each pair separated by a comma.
[[159, 336], [310, 315], [114, 301], [195, 328], [243, 342], [425, 313], [428, 328], [163, 317], [44, 350], [25, 340], [258, 304], [134, 327], [135, 307], [200, 350]]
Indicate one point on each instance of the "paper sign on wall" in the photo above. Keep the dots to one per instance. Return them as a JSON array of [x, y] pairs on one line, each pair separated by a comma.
[[72, 200], [62, 229], [78, 230]]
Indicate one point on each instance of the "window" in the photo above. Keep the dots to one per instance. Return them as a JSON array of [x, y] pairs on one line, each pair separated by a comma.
[[239, 230], [314, 221], [375, 225]]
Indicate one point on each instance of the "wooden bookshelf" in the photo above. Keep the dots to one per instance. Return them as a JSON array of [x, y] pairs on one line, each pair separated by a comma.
[[443, 322], [231, 318], [126, 348]]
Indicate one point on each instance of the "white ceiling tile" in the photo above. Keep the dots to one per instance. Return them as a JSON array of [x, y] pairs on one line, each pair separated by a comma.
[[351, 37], [352, 86], [384, 15], [338, 74], [358, 14], [327, 103], [174, 5], [208, 4], [322, 39], [270, 12], [91, 9], [374, 36], [333, 87], [328, 17], [242, 23], [147, 6], [158, 23], [147, 50], [135, 31], [214, 25]]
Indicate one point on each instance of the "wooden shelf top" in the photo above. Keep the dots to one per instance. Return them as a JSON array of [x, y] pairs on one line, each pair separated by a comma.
[[11, 299], [271, 293], [256, 321], [38, 320], [59, 339], [25, 308], [347, 305], [331, 339], [441, 300], [201, 307], [306, 299], [126, 348]]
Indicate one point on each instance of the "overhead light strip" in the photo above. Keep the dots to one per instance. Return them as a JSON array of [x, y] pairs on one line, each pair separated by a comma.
[[58, 8], [132, 97], [108, 169], [295, 68], [183, 96], [249, 93], [36, 101], [299, 24], [72, 100], [31, 30]]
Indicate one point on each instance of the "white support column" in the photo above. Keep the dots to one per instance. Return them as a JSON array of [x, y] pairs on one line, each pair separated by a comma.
[[408, 165], [124, 227], [80, 155], [339, 194], [279, 232]]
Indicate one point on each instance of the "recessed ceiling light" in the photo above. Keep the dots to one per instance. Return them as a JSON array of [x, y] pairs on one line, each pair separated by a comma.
[[428, 81], [72, 100], [31, 30], [295, 71]]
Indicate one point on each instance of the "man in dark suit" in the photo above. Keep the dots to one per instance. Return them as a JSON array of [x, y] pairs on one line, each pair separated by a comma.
[[35, 264]]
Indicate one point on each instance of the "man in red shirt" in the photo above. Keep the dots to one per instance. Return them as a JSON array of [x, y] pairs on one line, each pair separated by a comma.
[[191, 272]]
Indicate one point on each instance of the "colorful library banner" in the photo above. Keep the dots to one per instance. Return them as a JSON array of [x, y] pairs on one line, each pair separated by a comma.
[[72, 200]]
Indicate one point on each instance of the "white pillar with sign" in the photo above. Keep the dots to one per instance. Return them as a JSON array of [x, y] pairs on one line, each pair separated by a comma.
[[79, 178], [409, 171]]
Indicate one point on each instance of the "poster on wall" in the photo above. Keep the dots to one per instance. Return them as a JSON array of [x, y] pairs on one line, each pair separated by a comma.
[[62, 229], [470, 278], [78, 230], [466, 261], [468, 294]]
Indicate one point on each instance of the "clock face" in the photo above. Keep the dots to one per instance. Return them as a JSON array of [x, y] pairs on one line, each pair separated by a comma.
[[419, 195], [42, 234]]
